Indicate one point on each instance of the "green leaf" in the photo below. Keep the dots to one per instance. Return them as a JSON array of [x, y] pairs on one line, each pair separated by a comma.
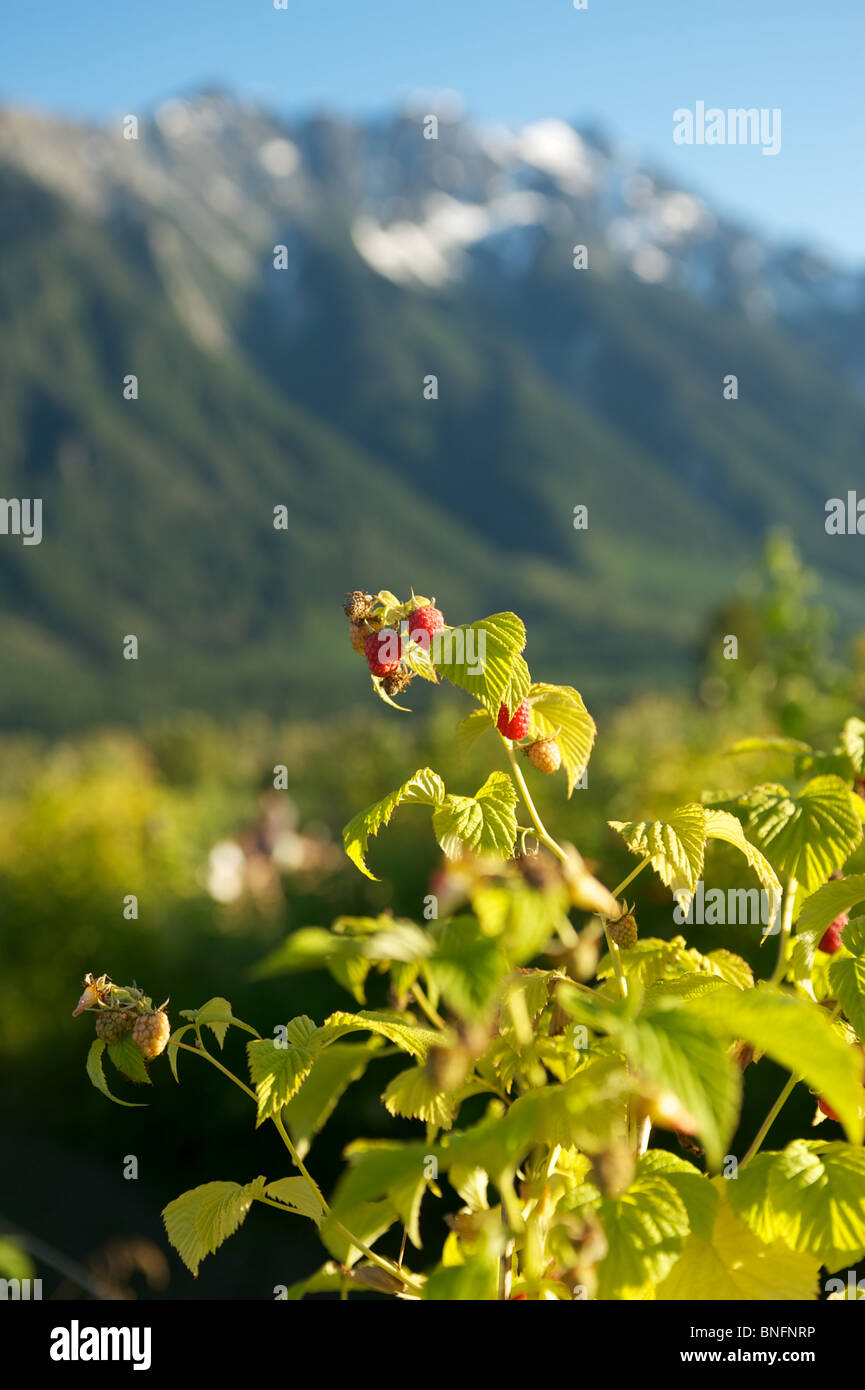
[[414, 1094], [558, 712], [476, 1280], [809, 1196], [680, 1053], [334, 1071], [466, 966], [721, 825], [278, 1070], [128, 1060], [676, 846], [853, 743], [799, 1035], [645, 1228], [216, 1014], [200, 1220], [411, 1039], [847, 982], [822, 907], [733, 1264], [808, 835], [395, 1171], [172, 1050], [485, 823], [470, 729], [484, 659], [424, 788], [297, 1194], [696, 1191], [731, 968], [97, 1075]]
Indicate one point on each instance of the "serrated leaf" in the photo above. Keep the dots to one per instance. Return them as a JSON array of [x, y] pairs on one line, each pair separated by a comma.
[[128, 1060], [485, 823], [415, 1095], [470, 729], [277, 1071], [733, 1264], [853, 743], [696, 1191], [424, 788], [97, 1075], [799, 1035], [808, 835], [731, 968], [484, 659], [810, 1195], [721, 825], [335, 1069], [297, 1194], [200, 1220], [411, 1039], [676, 846], [558, 712], [216, 1014], [646, 1228]]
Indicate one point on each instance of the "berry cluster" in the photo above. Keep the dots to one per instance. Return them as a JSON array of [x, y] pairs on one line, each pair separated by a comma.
[[375, 623], [120, 1009], [382, 643]]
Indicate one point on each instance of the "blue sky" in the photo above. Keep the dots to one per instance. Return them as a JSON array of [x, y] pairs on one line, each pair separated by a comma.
[[627, 64]]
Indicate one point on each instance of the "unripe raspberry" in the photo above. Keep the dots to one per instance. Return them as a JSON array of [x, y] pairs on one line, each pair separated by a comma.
[[111, 1024], [624, 931], [383, 651], [357, 605], [150, 1033], [357, 635], [830, 941], [545, 755], [428, 620], [516, 725], [396, 683]]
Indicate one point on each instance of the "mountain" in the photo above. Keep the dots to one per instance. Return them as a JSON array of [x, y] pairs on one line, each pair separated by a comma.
[[399, 258]]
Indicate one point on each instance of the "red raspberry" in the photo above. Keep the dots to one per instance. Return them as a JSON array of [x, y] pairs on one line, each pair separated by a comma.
[[515, 725], [150, 1033], [830, 942], [428, 620], [387, 641]]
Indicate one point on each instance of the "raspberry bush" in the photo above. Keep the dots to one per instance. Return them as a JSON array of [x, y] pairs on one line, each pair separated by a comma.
[[558, 1063]]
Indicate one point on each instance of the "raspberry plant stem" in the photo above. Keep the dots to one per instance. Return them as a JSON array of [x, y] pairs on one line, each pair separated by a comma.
[[786, 927], [540, 829], [387, 1265], [434, 1017]]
